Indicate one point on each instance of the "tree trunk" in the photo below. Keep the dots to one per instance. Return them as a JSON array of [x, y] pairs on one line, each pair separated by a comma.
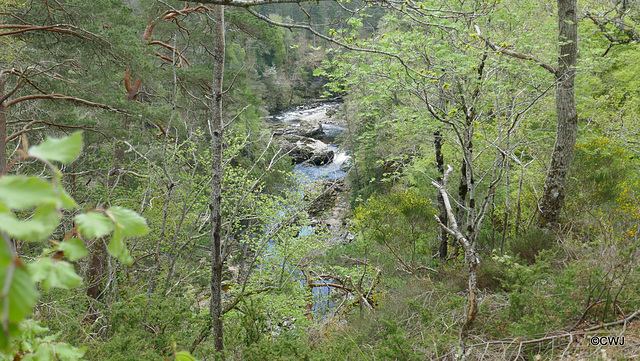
[[216, 183], [444, 236], [3, 129], [471, 257], [94, 277], [567, 133]]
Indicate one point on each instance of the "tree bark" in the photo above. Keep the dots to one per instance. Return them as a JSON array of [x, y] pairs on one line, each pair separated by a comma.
[[3, 128], [567, 132], [471, 258], [95, 275], [216, 130], [444, 236]]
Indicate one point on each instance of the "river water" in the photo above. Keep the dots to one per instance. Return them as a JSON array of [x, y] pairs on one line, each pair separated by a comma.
[[324, 113], [335, 170]]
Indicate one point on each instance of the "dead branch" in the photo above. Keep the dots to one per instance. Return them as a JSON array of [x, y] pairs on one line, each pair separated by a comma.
[[173, 49], [172, 14], [562, 333], [132, 89], [471, 256]]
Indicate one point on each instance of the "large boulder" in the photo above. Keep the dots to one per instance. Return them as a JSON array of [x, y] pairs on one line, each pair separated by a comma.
[[305, 128], [302, 149], [310, 128], [322, 157]]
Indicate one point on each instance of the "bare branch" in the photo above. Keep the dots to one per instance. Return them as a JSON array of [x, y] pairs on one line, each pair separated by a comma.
[[57, 28], [27, 128], [406, 66], [514, 54], [64, 97], [156, 42]]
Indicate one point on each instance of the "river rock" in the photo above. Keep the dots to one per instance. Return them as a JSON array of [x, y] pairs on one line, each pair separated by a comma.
[[322, 157], [302, 149], [326, 199], [311, 128]]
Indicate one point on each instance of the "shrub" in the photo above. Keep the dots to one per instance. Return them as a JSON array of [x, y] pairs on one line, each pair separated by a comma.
[[531, 244]]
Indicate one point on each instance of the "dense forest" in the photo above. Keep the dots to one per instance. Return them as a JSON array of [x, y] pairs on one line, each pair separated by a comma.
[[319, 180]]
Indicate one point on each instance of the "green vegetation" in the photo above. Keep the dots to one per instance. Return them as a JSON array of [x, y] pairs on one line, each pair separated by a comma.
[[438, 244]]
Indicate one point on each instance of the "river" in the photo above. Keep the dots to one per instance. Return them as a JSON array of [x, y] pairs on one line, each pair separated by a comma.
[[324, 113]]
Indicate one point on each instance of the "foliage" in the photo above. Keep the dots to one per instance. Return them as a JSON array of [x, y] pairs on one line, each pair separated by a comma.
[[167, 322], [396, 228], [22, 193], [152, 156], [528, 246]]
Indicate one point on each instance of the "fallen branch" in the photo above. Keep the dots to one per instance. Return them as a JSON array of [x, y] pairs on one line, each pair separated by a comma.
[[520, 342]]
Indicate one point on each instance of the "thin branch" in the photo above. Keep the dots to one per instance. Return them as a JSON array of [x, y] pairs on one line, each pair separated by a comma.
[[514, 54], [57, 28], [65, 97], [156, 42], [32, 122]]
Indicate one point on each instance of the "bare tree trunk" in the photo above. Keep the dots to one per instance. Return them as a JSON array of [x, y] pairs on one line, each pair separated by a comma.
[[471, 257], [505, 220], [216, 129], [519, 206], [567, 133]]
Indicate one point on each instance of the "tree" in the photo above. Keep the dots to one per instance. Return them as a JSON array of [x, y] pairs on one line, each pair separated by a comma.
[[567, 132], [217, 132], [553, 195], [19, 194]]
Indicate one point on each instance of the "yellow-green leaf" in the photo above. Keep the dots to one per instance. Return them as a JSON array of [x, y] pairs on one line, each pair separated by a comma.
[[129, 222], [63, 150], [94, 224], [74, 249]]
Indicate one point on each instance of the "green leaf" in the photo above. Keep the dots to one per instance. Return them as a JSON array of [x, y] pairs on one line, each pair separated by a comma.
[[66, 352], [73, 248], [62, 275], [20, 192], [94, 224], [63, 150], [184, 356], [5, 254], [44, 221], [17, 303], [59, 274], [44, 353], [129, 222], [40, 269], [66, 200], [118, 249]]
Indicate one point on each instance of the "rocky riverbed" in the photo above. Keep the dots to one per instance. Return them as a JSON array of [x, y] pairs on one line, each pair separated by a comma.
[[308, 133]]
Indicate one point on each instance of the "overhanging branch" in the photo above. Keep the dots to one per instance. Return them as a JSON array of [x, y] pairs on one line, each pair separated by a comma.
[[64, 97], [514, 54]]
